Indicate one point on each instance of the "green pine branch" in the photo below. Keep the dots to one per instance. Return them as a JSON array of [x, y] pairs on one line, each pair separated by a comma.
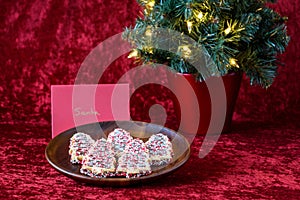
[[235, 34]]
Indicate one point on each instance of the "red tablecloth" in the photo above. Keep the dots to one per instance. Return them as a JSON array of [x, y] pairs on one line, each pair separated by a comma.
[[43, 43]]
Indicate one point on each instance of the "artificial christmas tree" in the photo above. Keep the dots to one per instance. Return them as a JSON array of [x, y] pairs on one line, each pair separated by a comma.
[[237, 35], [205, 38]]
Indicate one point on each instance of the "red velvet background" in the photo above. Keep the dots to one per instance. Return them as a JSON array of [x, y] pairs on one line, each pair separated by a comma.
[[44, 42]]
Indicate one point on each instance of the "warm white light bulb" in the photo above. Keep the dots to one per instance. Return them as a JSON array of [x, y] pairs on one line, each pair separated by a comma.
[[185, 51], [148, 33], [233, 62], [151, 4], [189, 26], [227, 30], [200, 15], [133, 53]]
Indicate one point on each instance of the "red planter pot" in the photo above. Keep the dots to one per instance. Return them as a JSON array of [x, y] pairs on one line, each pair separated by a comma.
[[205, 107]]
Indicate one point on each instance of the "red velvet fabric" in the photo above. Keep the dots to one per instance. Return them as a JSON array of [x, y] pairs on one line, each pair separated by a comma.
[[44, 42]]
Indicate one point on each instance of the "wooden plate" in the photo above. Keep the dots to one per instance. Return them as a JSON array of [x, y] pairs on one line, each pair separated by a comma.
[[57, 151]]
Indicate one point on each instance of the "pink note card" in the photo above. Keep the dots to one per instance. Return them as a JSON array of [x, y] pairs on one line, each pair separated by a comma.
[[75, 105]]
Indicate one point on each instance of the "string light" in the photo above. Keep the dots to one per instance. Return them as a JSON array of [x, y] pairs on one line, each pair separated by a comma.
[[148, 49], [185, 51], [189, 26], [148, 32], [150, 5], [227, 30], [232, 62], [133, 53], [200, 15]]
